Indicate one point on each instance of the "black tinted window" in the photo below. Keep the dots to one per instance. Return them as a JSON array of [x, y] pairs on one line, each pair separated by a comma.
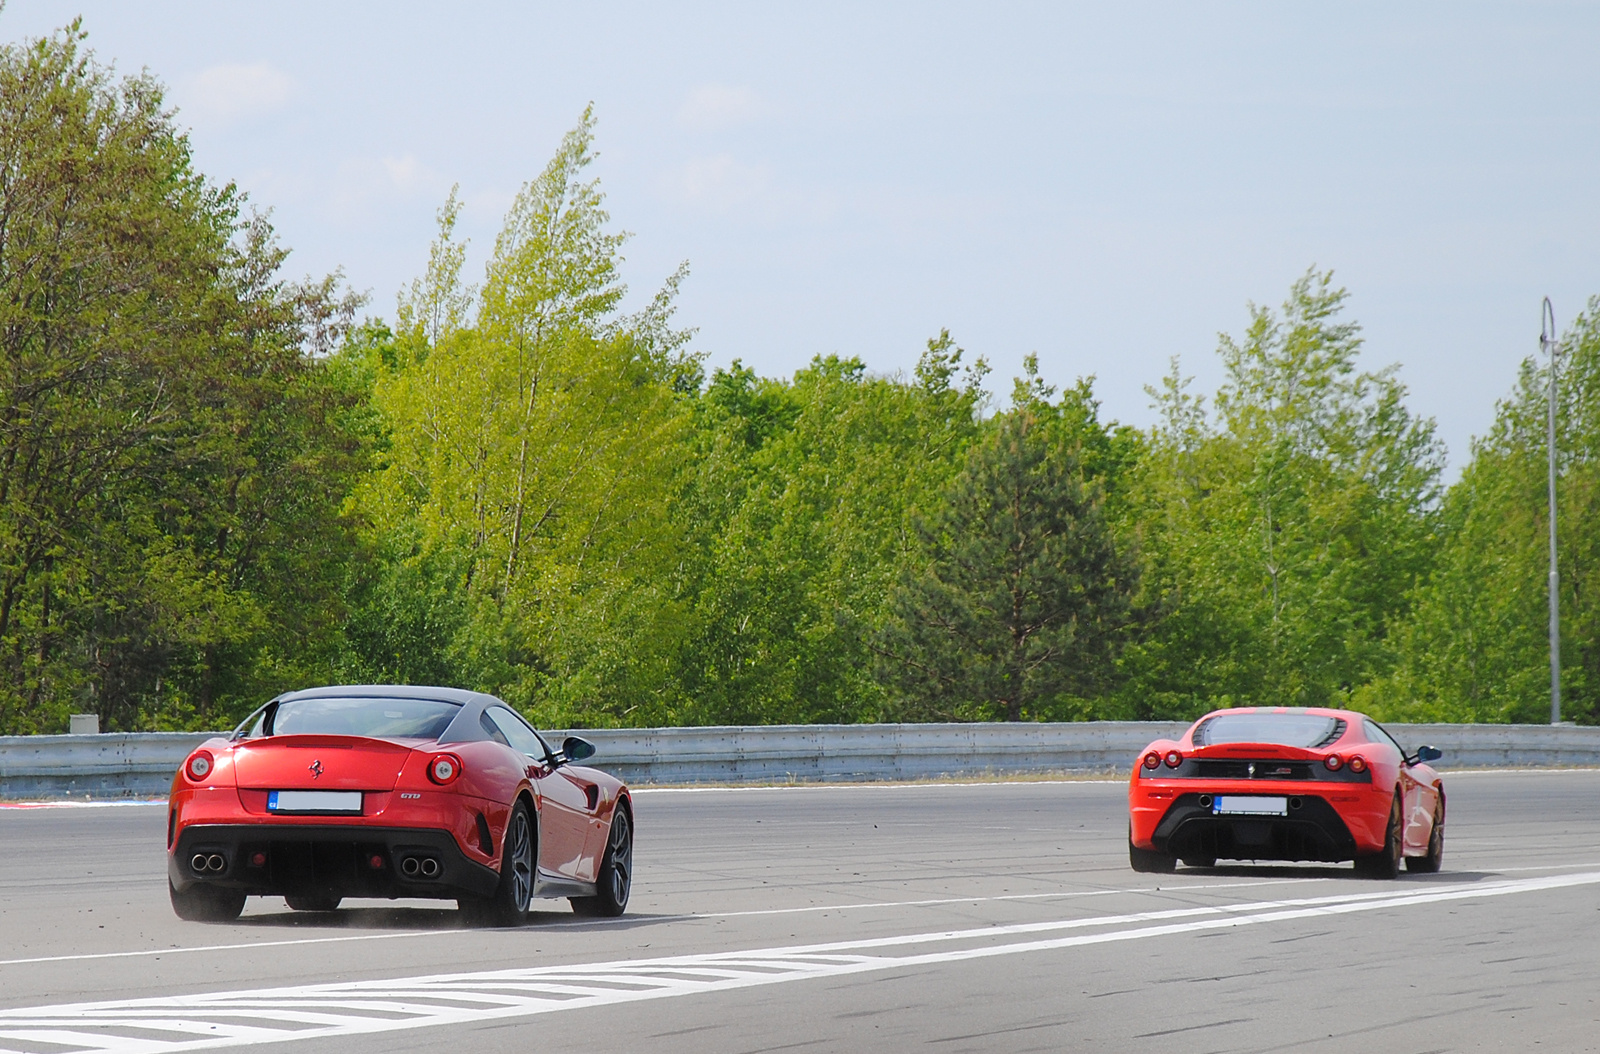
[[488, 725], [517, 733], [380, 718], [1289, 730], [1376, 734]]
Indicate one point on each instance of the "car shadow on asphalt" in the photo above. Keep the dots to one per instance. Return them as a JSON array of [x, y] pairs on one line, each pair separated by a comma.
[[1281, 871], [425, 918]]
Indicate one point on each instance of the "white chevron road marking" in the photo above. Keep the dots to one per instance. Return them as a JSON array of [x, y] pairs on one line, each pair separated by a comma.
[[167, 1025]]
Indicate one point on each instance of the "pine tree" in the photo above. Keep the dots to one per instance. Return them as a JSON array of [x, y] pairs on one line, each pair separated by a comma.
[[1024, 593]]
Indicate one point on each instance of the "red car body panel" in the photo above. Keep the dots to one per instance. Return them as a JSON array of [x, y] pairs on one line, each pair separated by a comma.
[[227, 809], [1361, 806]]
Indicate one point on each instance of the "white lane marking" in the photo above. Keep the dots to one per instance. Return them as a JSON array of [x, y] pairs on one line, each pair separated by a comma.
[[1545, 867], [223, 947], [647, 789], [1458, 773], [247, 1018], [987, 900], [1065, 781], [144, 952], [118, 804]]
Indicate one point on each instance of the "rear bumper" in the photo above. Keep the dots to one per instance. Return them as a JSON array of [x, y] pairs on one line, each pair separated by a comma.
[[1312, 830], [336, 859]]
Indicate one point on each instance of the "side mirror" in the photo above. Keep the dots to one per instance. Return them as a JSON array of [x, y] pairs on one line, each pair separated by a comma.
[[1427, 754], [575, 749]]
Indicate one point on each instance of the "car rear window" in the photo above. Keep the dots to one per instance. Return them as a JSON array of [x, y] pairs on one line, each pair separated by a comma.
[[1289, 730], [380, 718]]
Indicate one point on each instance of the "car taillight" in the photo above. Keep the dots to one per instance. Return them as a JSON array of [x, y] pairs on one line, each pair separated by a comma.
[[199, 766], [1174, 759], [444, 769], [1152, 760], [1334, 762], [1358, 764]]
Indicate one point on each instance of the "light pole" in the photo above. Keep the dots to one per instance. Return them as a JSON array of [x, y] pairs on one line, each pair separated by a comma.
[[1547, 342]]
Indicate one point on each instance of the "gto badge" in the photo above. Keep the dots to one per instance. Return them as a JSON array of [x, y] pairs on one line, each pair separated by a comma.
[[316, 769]]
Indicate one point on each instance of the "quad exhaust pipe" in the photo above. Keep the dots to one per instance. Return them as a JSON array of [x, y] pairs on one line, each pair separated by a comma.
[[204, 863], [419, 867]]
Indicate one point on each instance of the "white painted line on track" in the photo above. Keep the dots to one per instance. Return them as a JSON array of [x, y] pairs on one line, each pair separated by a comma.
[[988, 900], [246, 1018], [1459, 773], [647, 789], [1066, 781], [157, 952], [118, 803], [1544, 867]]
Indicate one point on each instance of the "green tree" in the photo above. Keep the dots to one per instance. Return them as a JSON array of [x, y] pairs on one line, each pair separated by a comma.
[[1284, 534], [1477, 648], [799, 516], [171, 455], [531, 461], [1019, 607]]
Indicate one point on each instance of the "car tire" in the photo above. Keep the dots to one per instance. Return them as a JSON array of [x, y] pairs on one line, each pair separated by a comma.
[[615, 880], [508, 904], [1430, 864], [1385, 863], [1150, 861], [205, 903], [314, 902]]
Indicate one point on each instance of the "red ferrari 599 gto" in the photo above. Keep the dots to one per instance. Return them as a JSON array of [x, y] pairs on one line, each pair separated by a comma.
[[1277, 783], [389, 791]]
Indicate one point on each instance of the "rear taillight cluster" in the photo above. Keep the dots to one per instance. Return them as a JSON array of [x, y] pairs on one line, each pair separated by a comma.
[[444, 769], [199, 766], [1153, 760], [1334, 762]]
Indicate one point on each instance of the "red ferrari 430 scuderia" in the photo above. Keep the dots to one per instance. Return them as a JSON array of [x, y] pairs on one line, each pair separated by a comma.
[[1280, 783], [390, 791]]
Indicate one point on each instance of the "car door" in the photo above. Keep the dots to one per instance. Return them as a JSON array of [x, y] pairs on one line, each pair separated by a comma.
[[563, 807], [1418, 798], [1421, 801]]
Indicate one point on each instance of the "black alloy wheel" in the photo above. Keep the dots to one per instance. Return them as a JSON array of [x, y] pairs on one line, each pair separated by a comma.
[[314, 902], [1385, 864], [615, 880], [508, 904], [1430, 864], [205, 903]]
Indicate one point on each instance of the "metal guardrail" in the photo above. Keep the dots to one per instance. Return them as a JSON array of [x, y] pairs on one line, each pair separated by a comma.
[[129, 764]]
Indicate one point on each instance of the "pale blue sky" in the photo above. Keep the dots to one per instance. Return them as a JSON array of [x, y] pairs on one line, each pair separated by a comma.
[[1105, 184]]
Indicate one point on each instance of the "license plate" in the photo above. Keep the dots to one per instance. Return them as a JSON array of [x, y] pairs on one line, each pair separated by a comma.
[[1233, 805], [315, 801]]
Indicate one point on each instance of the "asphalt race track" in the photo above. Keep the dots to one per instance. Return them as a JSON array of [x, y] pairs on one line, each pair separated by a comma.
[[948, 918]]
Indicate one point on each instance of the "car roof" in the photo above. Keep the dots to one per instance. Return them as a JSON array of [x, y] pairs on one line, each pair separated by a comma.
[[1318, 711], [460, 696], [463, 728]]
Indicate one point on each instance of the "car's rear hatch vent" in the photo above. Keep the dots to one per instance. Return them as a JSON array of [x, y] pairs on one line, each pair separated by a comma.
[[1263, 769]]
